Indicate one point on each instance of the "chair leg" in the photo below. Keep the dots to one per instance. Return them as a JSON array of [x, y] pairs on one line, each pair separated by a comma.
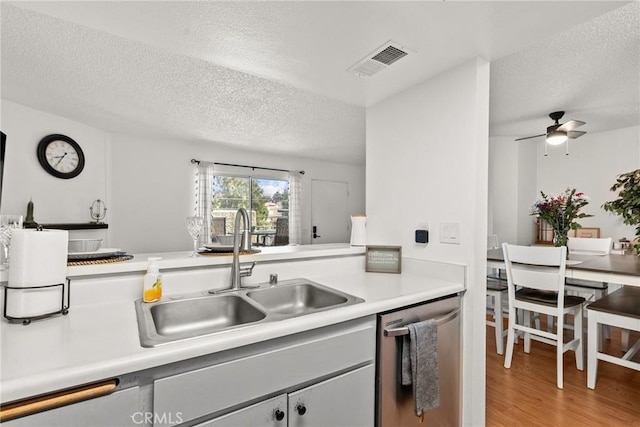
[[577, 334], [518, 334], [625, 339], [510, 339], [592, 350], [559, 360], [536, 321], [498, 319], [605, 330], [527, 335]]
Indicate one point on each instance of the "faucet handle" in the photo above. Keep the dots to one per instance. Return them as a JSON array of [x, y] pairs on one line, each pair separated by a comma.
[[247, 270], [273, 279]]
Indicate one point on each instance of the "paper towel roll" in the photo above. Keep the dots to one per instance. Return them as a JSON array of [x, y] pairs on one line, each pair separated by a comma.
[[37, 258]]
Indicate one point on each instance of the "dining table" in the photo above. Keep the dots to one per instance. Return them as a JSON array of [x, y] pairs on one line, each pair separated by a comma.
[[614, 269], [611, 268]]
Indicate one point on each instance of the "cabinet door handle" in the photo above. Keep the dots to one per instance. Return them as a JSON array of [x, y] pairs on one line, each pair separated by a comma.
[[278, 414], [301, 409]]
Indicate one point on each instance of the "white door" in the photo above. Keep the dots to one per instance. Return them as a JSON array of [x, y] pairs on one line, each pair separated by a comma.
[[329, 215]]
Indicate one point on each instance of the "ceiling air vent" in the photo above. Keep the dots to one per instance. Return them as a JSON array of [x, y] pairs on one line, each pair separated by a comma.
[[379, 59]]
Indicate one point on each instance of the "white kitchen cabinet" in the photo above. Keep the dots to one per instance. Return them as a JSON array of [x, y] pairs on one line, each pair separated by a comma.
[[268, 413], [122, 408], [343, 401], [268, 370]]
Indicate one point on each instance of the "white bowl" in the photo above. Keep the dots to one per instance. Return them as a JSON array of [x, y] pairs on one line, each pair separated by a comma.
[[84, 245]]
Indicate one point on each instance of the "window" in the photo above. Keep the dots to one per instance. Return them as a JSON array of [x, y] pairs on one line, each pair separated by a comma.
[[266, 200]]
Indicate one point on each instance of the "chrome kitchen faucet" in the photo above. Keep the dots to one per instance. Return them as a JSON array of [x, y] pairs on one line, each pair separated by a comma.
[[237, 271]]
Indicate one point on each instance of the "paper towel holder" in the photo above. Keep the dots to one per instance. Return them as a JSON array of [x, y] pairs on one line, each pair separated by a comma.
[[65, 302]]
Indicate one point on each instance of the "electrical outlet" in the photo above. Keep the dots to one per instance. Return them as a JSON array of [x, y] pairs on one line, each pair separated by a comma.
[[450, 233]]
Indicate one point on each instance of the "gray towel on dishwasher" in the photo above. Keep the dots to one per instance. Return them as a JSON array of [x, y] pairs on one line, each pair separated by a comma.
[[420, 364]]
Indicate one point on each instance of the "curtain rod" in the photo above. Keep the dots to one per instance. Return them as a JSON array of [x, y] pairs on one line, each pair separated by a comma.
[[194, 161]]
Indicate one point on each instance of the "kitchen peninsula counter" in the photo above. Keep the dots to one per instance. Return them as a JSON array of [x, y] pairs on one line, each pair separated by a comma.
[[177, 260], [99, 339]]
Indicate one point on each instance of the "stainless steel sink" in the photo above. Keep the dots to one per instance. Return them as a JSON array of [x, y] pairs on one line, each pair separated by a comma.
[[178, 318], [297, 297], [173, 320]]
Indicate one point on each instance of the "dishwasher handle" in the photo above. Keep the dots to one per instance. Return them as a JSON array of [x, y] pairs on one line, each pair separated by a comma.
[[404, 330]]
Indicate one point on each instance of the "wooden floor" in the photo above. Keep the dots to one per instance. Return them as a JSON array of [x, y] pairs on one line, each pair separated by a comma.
[[526, 394]]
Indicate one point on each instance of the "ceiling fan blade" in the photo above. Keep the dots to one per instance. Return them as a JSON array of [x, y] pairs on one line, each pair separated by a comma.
[[573, 134], [570, 125], [529, 137]]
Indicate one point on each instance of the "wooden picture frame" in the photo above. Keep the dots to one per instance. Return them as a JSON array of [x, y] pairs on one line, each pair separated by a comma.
[[383, 259], [588, 232]]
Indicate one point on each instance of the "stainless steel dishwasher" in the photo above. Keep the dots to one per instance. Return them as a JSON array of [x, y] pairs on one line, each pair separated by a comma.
[[394, 402]]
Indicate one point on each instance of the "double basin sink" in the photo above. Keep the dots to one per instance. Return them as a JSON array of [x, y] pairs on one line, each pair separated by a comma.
[[189, 316]]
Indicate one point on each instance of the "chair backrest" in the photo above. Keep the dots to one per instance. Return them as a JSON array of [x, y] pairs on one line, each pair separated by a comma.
[[589, 246], [282, 232], [537, 267]]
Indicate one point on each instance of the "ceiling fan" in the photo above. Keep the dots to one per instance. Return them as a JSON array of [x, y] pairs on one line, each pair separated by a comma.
[[559, 133]]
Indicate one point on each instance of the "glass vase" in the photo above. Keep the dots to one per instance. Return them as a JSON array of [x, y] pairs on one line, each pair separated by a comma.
[[561, 238]]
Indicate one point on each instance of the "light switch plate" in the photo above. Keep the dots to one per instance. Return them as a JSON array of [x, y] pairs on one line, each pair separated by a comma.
[[450, 233]]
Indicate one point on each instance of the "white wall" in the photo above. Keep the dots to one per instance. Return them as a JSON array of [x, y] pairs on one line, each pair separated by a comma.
[[527, 187], [55, 200], [427, 150], [592, 165], [503, 189], [162, 175], [509, 198], [146, 184]]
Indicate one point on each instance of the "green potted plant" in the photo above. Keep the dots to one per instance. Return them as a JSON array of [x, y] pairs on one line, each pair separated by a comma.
[[627, 205]]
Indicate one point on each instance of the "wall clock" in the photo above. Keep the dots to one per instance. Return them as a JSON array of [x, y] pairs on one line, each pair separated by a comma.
[[60, 156]]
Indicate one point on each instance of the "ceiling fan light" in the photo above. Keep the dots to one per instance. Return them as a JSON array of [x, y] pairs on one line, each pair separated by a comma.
[[556, 137]]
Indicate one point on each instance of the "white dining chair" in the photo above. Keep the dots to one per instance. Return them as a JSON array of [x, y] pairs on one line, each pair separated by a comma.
[[535, 281], [497, 293], [588, 246], [496, 298], [591, 290], [621, 309]]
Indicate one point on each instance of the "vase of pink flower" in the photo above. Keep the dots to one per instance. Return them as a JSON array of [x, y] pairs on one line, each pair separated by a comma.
[[561, 213]]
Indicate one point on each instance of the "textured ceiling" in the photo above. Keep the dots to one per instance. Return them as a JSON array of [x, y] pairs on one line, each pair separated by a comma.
[[271, 75], [591, 71]]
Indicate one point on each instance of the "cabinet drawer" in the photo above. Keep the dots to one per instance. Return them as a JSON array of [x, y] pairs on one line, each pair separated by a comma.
[[122, 408], [312, 355]]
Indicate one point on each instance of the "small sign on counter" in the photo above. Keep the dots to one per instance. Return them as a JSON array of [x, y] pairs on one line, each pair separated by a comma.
[[383, 259]]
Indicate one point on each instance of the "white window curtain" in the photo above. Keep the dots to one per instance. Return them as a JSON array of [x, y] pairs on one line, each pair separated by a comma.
[[295, 224], [204, 183]]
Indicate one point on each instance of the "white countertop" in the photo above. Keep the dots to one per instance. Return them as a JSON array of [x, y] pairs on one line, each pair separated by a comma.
[[100, 340]]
